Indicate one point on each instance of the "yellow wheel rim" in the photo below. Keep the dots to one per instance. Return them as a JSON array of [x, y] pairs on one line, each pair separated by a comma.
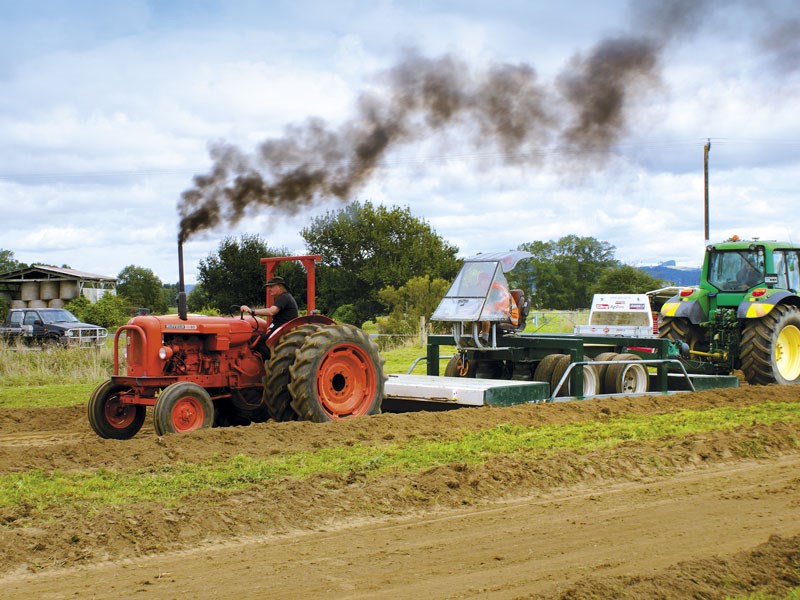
[[787, 353]]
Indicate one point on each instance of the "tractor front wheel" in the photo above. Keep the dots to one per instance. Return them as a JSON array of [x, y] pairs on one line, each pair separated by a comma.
[[182, 407], [109, 417], [337, 373], [770, 347]]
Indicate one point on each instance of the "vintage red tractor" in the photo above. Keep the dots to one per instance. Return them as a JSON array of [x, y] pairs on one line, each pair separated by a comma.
[[198, 371]]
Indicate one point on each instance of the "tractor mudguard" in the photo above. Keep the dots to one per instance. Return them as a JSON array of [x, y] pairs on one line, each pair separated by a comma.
[[755, 307], [277, 334], [691, 309]]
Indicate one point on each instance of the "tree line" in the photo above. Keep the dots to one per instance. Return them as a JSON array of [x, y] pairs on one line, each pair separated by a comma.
[[379, 264]]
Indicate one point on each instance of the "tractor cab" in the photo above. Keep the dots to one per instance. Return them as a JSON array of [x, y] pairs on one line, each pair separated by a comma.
[[480, 304]]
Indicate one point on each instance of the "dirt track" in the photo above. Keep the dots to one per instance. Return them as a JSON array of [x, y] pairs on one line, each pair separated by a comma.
[[709, 514]]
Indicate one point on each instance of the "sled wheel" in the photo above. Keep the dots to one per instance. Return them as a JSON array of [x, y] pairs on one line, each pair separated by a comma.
[[626, 379], [110, 418], [770, 347], [276, 382], [459, 366], [544, 370], [591, 381], [182, 407], [337, 373]]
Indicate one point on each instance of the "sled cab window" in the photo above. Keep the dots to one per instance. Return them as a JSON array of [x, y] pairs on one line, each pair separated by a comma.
[[736, 270]]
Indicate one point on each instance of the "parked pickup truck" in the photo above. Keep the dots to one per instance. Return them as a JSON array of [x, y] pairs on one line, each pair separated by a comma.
[[50, 327]]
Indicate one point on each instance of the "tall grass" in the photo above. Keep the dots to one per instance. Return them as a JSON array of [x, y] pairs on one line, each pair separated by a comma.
[[22, 366]]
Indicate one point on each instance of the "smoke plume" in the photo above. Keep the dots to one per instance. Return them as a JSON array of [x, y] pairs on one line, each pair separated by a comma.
[[505, 106]]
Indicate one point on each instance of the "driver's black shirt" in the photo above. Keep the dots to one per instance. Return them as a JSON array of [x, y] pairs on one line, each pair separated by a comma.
[[288, 309]]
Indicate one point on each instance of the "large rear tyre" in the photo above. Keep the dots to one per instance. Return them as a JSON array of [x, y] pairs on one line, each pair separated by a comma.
[[626, 378], [770, 347], [337, 373], [183, 407], [111, 419], [681, 329], [276, 382]]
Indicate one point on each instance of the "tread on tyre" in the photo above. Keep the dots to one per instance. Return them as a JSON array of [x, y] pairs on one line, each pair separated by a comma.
[[337, 373]]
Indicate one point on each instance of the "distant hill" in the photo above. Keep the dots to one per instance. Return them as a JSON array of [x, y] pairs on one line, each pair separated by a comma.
[[674, 275]]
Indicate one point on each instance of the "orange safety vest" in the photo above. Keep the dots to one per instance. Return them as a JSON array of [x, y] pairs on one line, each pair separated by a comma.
[[506, 303]]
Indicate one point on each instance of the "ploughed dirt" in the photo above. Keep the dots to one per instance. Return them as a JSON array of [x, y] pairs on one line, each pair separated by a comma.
[[709, 515]]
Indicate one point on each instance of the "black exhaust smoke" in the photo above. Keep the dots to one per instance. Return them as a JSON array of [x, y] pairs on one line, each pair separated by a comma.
[[183, 310]]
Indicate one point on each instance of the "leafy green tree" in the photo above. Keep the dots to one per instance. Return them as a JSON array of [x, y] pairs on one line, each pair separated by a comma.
[[625, 279], [141, 288], [234, 275], [8, 262], [562, 273], [418, 298], [366, 248], [170, 293], [110, 311]]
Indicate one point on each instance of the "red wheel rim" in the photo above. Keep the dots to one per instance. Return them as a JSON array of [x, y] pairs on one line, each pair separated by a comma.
[[187, 414], [346, 382], [117, 414]]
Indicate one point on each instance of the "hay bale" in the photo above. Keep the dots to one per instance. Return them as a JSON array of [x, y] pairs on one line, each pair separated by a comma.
[[29, 290], [48, 290], [68, 290]]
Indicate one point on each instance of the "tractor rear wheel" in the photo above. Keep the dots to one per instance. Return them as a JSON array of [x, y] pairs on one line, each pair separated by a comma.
[[626, 378], [183, 407], [110, 418], [681, 329], [770, 347], [337, 373], [276, 382]]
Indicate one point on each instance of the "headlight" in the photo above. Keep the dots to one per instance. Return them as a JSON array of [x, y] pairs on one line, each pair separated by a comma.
[[70, 333], [164, 353]]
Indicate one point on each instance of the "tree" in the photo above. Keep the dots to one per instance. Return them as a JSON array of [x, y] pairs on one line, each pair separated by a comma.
[[418, 298], [141, 288], [8, 262], [625, 279], [563, 272], [366, 248], [234, 275]]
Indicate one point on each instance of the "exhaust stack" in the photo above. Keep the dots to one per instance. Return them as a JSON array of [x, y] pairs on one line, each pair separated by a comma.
[[182, 308]]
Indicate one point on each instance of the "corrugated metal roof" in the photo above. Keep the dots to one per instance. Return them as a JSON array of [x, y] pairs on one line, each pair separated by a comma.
[[49, 272]]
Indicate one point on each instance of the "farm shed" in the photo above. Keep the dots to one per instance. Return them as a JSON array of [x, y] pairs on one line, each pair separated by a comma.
[[41, 286]]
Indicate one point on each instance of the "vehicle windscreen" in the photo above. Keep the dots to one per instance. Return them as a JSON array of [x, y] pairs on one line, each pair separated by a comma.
[[473, 280], [58, 316], [736, 270]]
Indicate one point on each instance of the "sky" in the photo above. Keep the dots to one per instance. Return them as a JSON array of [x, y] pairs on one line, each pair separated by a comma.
[[124, 125]]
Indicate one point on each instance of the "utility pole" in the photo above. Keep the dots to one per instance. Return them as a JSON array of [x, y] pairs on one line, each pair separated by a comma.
[[706, 150]]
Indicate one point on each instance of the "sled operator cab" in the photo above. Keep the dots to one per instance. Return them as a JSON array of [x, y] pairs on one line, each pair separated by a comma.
[[480, 304]]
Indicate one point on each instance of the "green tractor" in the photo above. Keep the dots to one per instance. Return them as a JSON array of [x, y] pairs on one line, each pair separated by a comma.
[[745, 314]]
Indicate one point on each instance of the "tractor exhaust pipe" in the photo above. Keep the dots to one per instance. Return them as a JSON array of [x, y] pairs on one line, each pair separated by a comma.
[[182, 308]]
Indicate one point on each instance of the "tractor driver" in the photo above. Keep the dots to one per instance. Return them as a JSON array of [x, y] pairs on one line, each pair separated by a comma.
[[284, 307]]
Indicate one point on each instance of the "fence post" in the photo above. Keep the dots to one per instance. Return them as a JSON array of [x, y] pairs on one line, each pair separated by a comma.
[[423, 335]]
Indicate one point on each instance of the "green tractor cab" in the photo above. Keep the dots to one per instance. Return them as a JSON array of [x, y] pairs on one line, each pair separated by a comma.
[[745, 314]]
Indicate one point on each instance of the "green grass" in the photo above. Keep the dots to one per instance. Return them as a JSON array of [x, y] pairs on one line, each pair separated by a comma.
[[95, 489], [45, 396], [793, 594]]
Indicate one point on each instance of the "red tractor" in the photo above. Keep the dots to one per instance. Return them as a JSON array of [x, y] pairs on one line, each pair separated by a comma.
[[198, 371]]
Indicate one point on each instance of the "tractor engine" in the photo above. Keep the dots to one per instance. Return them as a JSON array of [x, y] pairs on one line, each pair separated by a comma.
[[213, 352]]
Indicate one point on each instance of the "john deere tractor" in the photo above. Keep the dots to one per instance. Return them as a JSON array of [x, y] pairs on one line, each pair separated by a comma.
[[745, 314]]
